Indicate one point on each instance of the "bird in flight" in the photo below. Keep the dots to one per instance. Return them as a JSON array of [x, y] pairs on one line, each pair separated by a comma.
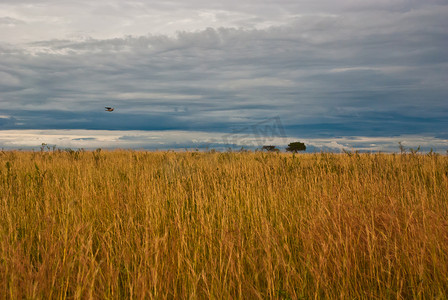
[[109, 108]]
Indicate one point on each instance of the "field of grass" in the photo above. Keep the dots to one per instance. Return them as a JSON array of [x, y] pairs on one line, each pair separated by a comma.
[[155, 225]]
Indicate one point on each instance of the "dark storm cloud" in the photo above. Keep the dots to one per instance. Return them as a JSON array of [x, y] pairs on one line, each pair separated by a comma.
[[372, 69]]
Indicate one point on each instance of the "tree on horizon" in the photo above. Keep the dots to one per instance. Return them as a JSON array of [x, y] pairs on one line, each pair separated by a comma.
[[296, 147], [270, 148]]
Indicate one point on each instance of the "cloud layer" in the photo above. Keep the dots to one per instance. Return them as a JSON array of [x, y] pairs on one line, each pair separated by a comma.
[[172, 139], [327, 69]]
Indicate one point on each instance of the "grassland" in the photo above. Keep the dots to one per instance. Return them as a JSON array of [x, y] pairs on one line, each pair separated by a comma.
[[129, 224]]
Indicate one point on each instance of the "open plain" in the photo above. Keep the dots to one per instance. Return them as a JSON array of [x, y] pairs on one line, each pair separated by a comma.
[[135, 224]]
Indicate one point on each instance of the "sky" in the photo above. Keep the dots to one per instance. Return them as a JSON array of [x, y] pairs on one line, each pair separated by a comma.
[[353, 74]]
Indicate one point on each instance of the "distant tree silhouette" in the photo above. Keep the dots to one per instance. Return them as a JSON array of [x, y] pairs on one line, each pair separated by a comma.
[[295, 147], [270, 148]]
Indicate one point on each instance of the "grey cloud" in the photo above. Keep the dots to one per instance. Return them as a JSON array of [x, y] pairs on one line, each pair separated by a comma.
[[368, 72], [85, 139], [9, 22]]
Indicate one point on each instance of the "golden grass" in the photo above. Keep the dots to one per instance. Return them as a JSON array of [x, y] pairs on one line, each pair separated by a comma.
[[129, 224]]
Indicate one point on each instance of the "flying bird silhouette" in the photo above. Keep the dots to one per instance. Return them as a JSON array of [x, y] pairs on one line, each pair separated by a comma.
[[109, 108]]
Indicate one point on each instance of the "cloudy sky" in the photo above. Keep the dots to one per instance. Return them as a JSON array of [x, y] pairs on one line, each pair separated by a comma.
[[361, 74]]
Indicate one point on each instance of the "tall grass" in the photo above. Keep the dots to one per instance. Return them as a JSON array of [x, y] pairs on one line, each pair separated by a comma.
[[129, 224]]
